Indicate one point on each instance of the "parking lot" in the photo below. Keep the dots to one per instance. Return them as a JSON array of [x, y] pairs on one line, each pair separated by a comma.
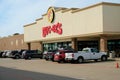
[[87, 71]]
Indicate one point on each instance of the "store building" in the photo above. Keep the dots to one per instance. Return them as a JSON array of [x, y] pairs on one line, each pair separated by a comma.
[[94, 26], [15, 42]]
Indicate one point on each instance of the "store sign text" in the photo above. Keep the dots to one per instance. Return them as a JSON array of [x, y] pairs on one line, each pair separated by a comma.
[[56, 28]]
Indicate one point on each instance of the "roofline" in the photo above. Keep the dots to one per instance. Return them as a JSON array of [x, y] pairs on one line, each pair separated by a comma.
[[30, 24], [74, 10], [98, 4], [39, 19]]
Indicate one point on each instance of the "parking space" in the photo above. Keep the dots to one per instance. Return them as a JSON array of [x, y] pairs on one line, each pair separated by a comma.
[[87, 71]]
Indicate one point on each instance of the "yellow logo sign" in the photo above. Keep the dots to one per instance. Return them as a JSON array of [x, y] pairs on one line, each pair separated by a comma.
[[51, 14]]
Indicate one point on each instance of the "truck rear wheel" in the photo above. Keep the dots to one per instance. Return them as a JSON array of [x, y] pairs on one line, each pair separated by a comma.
[[80, 60], [104, 58]]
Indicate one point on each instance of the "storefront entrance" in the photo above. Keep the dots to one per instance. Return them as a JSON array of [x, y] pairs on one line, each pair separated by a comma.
[[54, 46], [114, 45], [83, 44]]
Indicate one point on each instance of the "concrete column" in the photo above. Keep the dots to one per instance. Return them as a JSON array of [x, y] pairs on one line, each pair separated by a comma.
[[41, 46], [74, 43], [103, 43], [29, 46]]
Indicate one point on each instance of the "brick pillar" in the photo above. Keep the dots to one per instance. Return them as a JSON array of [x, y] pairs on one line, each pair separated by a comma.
[[74, 43], [29, 46], [41, 46], [103, 43]]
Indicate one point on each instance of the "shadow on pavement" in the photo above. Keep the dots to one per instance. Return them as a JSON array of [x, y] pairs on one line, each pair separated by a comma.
[[14, 74]]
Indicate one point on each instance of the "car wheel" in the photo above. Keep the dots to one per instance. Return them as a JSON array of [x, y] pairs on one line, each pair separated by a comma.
[[59, 61], [80, 60], [29, 57], [46, 59], [41, 57], [16, 57], [104, 58], [52, 60]]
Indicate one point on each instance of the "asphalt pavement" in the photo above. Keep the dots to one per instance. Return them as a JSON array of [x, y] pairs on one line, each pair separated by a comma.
[[39, 69], [14, 74]]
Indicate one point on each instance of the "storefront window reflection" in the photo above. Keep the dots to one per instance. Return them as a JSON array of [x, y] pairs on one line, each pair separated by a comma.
[[114, 45], [83, 44], [54, 46]]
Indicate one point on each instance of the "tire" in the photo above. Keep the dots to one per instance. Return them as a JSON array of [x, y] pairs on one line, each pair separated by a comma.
[[41, 57], [29, 57], [80, 60], [16, 57], [46, 59], [52, 59], [104, 58], [72, 61], [59, 61]]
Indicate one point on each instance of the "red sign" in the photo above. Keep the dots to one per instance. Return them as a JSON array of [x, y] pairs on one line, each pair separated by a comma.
[[56, 28]]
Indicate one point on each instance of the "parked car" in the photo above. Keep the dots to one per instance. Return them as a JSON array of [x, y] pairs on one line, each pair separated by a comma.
[[1, 54], [8, 53], [86, 54], [16, 54], [60, 55], [44, 54], [4, 54], [28, 54], [50, 55]]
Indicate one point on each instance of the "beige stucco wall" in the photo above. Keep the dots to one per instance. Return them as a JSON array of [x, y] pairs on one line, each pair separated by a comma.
[[78, 23], [93, 20], [111, 16], [88, 21]]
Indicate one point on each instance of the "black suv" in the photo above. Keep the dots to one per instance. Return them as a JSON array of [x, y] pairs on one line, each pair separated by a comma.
[[16, 54], [1, 54], [28, 54]]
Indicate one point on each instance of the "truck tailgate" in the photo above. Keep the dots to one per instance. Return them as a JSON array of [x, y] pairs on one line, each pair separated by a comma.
[[69, 55]]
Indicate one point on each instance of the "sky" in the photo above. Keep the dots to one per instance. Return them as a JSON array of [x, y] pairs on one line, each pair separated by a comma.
[[14, 14]]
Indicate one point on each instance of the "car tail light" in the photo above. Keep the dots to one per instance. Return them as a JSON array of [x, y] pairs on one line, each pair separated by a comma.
[[72, 55]]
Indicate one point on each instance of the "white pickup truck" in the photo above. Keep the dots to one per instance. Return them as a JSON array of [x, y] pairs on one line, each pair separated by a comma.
[[86, 54]]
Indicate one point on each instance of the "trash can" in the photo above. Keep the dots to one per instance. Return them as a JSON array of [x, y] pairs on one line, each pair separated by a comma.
[[112, 54]]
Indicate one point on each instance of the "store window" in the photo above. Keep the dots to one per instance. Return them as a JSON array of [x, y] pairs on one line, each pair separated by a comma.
[[114, 45], [22, 41], [11, 43], [16, 42], [83, 44], [54, 46]]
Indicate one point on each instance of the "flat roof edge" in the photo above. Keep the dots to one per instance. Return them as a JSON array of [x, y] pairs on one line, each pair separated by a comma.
[[30, 24], [98, 4]]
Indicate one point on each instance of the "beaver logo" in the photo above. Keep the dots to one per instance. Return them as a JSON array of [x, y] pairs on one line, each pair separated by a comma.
[[51, 14]]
